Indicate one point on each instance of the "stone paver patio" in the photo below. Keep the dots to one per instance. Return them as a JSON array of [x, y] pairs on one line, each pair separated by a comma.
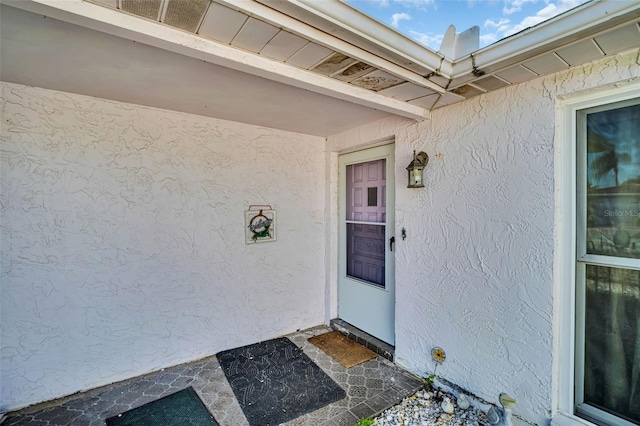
[[370, 387]]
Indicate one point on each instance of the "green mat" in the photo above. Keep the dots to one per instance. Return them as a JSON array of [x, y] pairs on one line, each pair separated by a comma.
[[183, 408]]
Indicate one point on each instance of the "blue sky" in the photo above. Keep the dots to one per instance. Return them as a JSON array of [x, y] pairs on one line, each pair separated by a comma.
[[427, 20]]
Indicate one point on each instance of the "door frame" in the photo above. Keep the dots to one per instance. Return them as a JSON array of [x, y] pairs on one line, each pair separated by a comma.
[[383, 151]]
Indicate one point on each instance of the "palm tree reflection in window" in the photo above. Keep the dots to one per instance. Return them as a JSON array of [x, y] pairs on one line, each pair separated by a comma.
[[612, 299], [613, 182]]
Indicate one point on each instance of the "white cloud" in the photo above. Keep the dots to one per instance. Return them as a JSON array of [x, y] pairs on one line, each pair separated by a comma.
[[432, 41], [417, 4], [381, 3], [493, 24], [422, 5], [513, 6], [496, 31], [549, 11], [513, 18], [397, 17], [487, 39]]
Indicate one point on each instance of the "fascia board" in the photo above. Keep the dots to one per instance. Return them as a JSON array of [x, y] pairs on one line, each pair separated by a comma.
[[584, 21], [357, 22], [130, 27]]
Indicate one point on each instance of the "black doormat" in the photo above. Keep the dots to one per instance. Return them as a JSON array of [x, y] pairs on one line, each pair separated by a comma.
[[183, 408], [274, 381]]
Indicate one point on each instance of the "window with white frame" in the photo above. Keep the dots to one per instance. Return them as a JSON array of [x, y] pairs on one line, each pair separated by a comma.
[[607, 261]]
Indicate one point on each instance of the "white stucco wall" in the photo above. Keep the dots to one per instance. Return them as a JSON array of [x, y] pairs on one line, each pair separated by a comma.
[[123, 240], [475, 275]]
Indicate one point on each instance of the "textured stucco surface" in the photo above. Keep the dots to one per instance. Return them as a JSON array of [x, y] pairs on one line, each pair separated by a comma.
[[123, 240], [123, 243], [475, 275]]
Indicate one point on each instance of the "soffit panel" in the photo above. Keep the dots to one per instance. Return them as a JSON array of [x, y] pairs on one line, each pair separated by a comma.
[[377, 80], [516, 74], [354, 71], [149, 9], [580, 53], [221, 23], [310, 55], [426, 101], [283, 46], [185, 15], [448, 99], [334, 64], [468, 91], [406, 91], [109, 3], [545, 64], [254, 35], [618, 40], [490, 83], [438, 79]]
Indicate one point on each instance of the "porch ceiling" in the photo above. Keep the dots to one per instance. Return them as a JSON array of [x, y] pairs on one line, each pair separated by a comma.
[[302, 65], [70, 58]]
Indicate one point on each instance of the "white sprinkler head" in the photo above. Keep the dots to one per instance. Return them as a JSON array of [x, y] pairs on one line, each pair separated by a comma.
[[492, 416], [506, 400]]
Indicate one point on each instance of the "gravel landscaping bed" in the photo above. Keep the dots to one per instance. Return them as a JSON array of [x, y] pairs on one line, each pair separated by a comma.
[[427, 408]]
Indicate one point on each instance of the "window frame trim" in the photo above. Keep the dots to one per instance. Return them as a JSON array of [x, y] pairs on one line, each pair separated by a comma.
[[565, 244]]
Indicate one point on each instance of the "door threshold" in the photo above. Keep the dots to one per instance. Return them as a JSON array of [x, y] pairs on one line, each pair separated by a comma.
[[383, 349]]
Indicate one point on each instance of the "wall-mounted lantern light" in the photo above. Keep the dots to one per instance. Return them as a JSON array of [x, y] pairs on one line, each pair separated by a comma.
[[416, 169]]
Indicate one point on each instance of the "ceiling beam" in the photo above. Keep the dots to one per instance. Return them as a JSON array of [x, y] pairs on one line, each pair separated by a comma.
[[130, 27]]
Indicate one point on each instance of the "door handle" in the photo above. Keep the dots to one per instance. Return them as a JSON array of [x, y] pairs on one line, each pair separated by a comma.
[[391, 241]]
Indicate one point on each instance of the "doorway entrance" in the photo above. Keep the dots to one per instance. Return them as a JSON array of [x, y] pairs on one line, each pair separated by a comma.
[[366, 287]]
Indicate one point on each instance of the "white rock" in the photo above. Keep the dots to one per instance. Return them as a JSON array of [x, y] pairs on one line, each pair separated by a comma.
[[424, 409], [447, 406], [463, 402]]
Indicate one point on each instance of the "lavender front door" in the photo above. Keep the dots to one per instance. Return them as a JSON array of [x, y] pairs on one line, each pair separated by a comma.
[[366, 290]]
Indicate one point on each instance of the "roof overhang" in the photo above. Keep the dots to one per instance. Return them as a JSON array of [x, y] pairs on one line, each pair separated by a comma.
[[130, 27], [344, 21], [583, 22], [394, 75]]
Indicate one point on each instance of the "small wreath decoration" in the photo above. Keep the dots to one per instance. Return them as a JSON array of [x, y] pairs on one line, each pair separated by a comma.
[[259, 225]]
